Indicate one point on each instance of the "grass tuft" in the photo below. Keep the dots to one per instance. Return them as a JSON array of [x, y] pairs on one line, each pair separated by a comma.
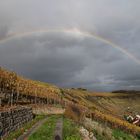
[[70, 130], [120, 135]]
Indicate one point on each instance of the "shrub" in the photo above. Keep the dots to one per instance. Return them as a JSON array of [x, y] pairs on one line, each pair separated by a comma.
[[74, 112]]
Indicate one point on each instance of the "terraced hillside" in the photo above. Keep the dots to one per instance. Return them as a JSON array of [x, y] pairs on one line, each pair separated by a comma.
[[105, 108], [116, 104], [15, 88]]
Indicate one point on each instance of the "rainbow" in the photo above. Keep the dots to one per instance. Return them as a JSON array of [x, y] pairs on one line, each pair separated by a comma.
[[73, 32]]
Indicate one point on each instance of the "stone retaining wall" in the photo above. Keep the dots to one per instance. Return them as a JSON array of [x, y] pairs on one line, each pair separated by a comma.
[[14, 119]]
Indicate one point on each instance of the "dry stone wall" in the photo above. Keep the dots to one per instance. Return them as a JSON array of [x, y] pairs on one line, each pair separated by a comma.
[[14, 119]]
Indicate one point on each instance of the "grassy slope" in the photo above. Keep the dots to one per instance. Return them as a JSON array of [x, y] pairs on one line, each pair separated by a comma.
[[108, 107], [115, 104]]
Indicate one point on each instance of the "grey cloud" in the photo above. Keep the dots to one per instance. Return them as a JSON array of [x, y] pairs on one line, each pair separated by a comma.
[[5, 25], [44, 62], [68, 60]]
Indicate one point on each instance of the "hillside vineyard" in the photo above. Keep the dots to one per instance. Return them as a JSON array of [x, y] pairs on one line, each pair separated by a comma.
[[15, 90]]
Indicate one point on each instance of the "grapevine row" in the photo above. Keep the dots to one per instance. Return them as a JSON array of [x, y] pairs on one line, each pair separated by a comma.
[[15, 89]]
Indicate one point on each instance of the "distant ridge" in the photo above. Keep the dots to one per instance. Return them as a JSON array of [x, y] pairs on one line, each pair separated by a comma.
[[127, 91]]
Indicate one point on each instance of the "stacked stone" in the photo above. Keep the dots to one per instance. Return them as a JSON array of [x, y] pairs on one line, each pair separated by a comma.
[[14, 119]]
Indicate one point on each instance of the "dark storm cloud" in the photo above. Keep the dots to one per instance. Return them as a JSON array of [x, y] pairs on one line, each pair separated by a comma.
[[43, 60], [71, 60]]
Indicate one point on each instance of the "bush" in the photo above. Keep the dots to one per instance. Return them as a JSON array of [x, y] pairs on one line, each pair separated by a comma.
[[74, 112]]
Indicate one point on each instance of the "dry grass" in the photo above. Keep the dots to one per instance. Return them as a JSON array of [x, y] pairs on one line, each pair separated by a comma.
[[74, 112]]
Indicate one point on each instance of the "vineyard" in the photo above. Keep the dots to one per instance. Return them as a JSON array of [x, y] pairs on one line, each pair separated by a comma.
[[15, 90], [101, 111], [78, 103]]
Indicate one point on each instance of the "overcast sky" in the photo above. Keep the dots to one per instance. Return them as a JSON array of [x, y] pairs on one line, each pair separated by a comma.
[[69, 59]]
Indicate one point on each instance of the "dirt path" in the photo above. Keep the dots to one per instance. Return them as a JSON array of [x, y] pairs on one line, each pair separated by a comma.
[[32, 130], [58, 130]]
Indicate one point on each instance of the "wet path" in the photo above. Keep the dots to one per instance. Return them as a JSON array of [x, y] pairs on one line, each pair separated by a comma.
[[58, 135]]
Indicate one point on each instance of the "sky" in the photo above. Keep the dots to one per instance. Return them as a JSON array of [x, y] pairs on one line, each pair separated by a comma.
[[94, 44]]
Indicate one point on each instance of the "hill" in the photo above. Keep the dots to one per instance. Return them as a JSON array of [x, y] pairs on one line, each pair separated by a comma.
[[116, 104], [104, 107]]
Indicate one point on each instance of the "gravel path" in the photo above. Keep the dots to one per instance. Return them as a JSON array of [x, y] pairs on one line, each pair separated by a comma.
[[58, 130], [32, 130]]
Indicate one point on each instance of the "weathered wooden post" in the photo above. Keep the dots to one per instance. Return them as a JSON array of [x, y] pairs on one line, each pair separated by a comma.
[[35, 95], [11, 98], [0, 101]]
